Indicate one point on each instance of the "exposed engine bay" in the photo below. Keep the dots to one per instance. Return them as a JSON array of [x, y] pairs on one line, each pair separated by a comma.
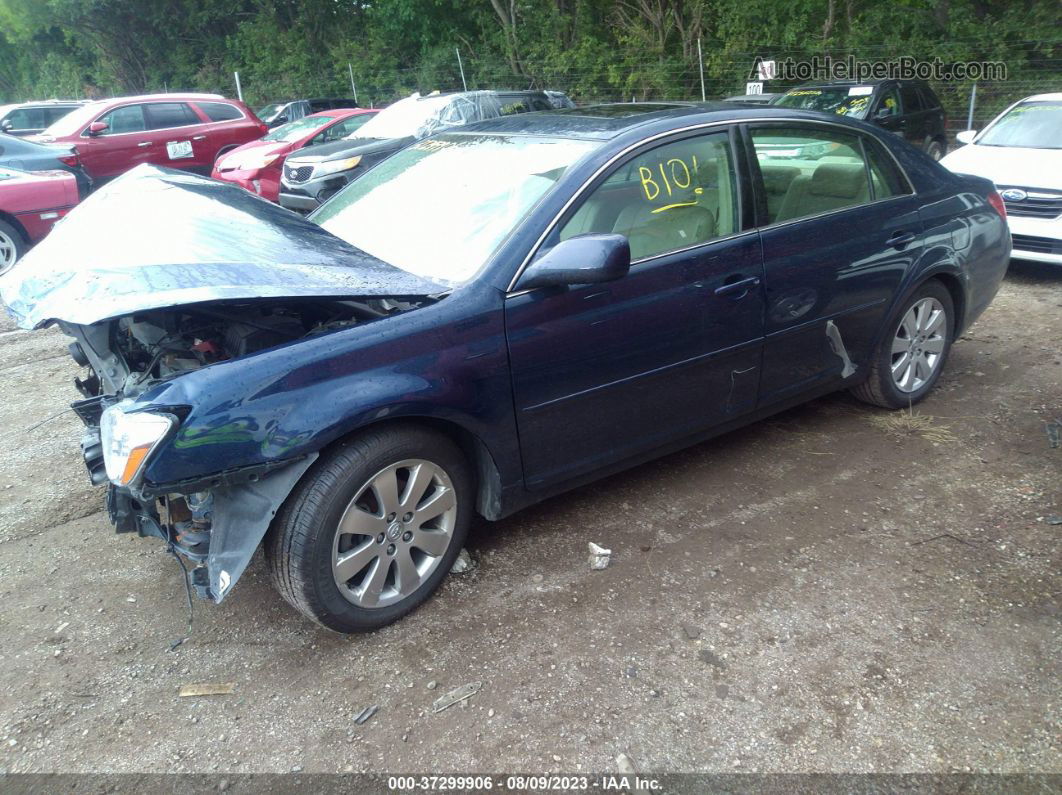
[[162, 344], [216, 522]]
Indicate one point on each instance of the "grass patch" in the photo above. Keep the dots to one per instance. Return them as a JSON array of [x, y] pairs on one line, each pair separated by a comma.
[[907, 423]]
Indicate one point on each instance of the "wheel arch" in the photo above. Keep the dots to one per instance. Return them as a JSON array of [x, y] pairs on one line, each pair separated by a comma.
[[485, 473], [13, 222], [224, 151]]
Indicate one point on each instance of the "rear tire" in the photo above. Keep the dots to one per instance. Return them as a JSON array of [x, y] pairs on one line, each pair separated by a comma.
[[913, 351], [372, 529], [936, 150], [12, 246]]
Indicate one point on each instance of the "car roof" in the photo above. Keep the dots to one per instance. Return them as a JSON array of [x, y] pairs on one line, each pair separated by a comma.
[[1055, 97], [843, 83], [604, 122], [163, 98]]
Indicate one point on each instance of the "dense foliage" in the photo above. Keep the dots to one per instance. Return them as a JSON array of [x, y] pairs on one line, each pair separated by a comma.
[[594, 49]]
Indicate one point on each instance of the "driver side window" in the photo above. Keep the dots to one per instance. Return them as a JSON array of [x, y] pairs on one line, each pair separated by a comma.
[[124, 120], [676, 196]]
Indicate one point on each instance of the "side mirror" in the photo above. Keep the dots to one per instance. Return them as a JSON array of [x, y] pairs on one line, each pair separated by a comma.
[[281, 119], [579, 260], [883, 113], [98, 128], [7, 125], [966, 136]]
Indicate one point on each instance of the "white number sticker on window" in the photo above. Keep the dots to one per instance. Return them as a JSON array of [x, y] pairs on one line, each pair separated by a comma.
[[179, 149]]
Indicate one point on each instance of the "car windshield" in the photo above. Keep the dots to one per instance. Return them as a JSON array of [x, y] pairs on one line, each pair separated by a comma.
[[419, 117], [294, 130], [71, 123], [843, 100], [269, 110], [441, 207], [1034, 125]]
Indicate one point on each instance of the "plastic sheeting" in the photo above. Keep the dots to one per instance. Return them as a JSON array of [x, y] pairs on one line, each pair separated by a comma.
[[156, 238]]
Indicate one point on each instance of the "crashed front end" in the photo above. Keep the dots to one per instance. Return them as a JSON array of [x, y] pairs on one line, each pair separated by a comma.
[[204, 276]]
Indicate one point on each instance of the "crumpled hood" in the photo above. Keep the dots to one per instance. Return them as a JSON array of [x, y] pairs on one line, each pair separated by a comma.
[[1009, 165], [156, 238]]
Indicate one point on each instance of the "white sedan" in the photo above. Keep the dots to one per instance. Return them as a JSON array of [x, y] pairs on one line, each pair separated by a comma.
[[1021, 151]]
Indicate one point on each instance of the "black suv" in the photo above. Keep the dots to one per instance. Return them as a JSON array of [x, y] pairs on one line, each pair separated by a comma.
[[906, 107], [30, 118], [278, 113]]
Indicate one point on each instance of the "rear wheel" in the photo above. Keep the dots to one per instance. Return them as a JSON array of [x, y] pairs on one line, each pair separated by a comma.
[[912, 354], [12, 246], [373, 529], [936, 150]]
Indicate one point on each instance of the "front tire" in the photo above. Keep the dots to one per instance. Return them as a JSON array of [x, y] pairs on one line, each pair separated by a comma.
[[12, 246], [913, 351], [373, 528]]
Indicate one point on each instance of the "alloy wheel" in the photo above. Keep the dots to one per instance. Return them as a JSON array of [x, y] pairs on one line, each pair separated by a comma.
[[8, 252], [394, 533], [918, 347]]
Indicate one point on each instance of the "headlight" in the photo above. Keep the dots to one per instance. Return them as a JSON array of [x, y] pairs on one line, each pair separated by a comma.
[[257, 162], [335, 166], [128, 440]]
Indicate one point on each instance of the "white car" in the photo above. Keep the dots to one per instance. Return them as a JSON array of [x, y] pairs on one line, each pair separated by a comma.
[[1021, 151]]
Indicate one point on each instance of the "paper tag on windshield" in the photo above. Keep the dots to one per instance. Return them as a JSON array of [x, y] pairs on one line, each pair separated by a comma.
[[179, 149], [860, 91]]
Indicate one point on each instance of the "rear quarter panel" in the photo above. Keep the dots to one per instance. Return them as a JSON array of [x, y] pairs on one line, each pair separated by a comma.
[[966, 240]]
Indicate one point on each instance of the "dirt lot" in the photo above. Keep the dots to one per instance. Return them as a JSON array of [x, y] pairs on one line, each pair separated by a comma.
[[830, 590]]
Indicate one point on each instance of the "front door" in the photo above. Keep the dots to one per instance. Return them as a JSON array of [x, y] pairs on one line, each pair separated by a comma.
[[606, 372]]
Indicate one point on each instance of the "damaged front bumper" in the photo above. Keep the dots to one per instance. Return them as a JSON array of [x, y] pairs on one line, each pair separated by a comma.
[[216, 522]]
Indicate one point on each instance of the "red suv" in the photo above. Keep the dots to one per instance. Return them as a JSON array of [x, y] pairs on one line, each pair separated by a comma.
[[186, 131]]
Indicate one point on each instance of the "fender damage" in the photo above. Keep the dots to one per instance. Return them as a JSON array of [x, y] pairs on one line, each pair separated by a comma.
[[199, 273]]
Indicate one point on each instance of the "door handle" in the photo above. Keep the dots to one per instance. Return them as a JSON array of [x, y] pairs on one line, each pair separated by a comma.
[[739, 285], [198, 137], [144, 143], [900, 239]]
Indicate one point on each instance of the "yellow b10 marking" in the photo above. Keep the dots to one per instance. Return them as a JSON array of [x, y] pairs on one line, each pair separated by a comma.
[[681, 176]]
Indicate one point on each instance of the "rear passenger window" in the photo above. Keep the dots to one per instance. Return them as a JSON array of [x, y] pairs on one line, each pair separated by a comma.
[[910, 99], [219, 111], [673, 197], [27, 119], [163, 115], [815, 170]]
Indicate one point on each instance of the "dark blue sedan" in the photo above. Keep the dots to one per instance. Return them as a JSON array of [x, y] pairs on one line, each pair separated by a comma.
[[488, 318]]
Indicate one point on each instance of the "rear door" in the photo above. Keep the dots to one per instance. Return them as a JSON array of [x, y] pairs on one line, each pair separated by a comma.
[[914, 114], [605, 372], [178, 137], [840, 228]]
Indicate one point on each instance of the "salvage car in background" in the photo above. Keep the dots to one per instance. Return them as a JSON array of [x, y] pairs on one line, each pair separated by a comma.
[[1021, 151], [186, 131], [492, 316], [908, 108], [256, 166], [25, 155], [278, 113], [30, 204], [317, 173], [28, 118]]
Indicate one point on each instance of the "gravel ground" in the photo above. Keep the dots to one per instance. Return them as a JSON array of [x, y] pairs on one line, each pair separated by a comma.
[[834, 589]]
